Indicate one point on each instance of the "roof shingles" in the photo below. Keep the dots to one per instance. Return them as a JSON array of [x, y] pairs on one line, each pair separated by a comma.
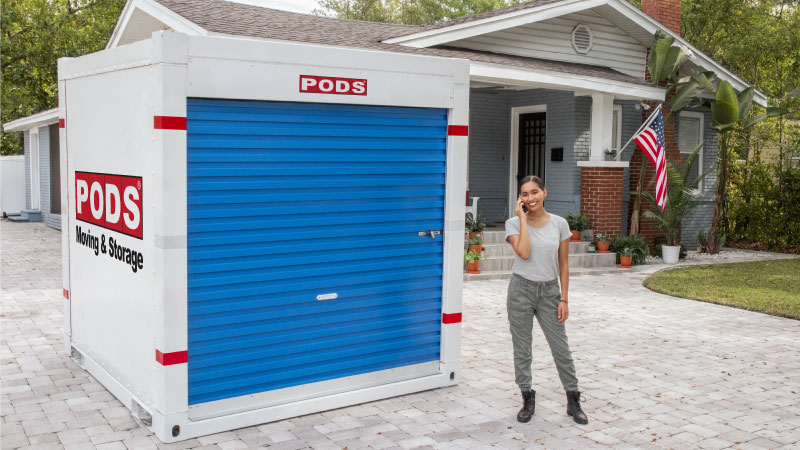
[[219, 16]]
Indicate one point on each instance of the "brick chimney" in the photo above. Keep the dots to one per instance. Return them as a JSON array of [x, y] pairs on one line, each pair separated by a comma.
[[668, 12]]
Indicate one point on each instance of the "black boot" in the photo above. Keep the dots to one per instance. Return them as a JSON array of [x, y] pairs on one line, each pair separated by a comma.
[[528, 405], [574, 407]]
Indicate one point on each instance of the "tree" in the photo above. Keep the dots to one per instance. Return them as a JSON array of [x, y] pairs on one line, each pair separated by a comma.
[[730, 112], [409, 12], [35, 33]]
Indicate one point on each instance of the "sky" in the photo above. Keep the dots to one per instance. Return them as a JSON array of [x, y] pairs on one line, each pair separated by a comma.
[[300, 6]]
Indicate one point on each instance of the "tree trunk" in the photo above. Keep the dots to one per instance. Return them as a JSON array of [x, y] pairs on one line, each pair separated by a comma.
[[722, 180], [634, 229]]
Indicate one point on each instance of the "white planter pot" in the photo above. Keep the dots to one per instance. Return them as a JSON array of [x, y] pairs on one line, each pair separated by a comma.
[[670, 253]]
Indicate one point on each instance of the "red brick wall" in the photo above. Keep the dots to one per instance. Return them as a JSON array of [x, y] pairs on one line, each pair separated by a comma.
[[601, 198], [668, 12]]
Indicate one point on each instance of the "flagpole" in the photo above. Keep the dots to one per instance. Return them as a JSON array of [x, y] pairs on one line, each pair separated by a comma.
[[646, 122]]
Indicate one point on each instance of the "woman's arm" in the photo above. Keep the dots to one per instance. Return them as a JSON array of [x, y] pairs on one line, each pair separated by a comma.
[[521, 243], [563, 274]]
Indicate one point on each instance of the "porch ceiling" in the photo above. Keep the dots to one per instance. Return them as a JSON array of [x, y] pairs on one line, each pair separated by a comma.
[[493, 76]]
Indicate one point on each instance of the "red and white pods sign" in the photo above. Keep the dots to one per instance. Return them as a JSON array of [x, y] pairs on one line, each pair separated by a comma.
[[330, 85], [110, 201]]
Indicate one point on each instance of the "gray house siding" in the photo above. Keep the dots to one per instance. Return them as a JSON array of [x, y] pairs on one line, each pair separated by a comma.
[[700, 219], [489, 153], [490, 149], [27, 147]]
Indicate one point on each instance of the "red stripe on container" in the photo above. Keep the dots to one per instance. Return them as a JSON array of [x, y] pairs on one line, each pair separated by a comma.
[[451, 318], [458, 130], [169, 123], [66, 294], [62, 123], [168, 359]]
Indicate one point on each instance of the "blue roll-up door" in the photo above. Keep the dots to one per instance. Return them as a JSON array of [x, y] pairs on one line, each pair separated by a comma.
[[293, 203]]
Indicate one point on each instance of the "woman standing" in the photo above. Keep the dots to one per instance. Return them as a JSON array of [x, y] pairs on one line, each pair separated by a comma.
[[541, 246]]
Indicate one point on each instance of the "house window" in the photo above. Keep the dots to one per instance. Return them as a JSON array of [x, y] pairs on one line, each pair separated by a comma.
[[616, 128], [690, 134]]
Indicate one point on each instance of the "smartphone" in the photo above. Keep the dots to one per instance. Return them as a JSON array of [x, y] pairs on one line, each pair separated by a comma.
[[524, 209]]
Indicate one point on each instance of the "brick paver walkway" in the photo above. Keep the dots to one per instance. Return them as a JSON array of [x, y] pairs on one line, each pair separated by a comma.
[[658, 372]]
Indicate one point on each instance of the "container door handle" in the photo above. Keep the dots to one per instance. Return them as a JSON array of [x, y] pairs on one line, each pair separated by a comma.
[[431, 233]]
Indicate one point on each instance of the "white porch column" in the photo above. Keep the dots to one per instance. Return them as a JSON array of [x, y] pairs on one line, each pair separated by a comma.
[[602, 113]]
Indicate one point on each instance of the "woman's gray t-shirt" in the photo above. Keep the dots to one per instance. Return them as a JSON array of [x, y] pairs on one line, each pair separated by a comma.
[[542, 264]]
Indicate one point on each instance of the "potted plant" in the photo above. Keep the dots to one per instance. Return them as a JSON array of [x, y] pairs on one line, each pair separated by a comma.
[[636, 244], [602, 243], [474, 225], [626, 257], [577, 223], [475, 244], [682, 198], [473, 260]]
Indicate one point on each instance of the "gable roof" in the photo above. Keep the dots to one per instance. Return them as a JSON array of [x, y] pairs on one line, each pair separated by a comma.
[[218, 17], [630, 19]]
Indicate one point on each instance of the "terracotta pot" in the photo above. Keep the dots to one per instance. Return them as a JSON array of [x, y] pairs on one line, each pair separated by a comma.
[[602, 247], [626, 261], [477, 248], [473, 235], [576, 236], [473, 267]]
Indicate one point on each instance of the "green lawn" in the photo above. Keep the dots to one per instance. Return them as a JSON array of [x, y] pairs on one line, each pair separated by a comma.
[[771, 287]]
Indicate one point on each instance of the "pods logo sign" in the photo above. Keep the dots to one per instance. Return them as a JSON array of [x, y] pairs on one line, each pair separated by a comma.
[[330, 85], [110, 201]]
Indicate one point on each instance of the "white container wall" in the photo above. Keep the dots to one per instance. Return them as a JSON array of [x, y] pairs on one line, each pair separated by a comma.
[[255, 231]]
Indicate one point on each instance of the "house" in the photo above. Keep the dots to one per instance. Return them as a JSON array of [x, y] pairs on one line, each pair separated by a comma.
[[554, 85], [42, 171]]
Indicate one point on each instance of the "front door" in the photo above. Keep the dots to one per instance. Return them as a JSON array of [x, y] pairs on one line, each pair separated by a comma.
[[531, 155]]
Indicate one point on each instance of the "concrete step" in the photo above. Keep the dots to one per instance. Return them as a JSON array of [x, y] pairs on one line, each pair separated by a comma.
[[497, 250], [31, 215], [505, 275], [576, 261], [589, 260], [487, 275], [500, 263], [494, 237], [504, 249], [578, 247]]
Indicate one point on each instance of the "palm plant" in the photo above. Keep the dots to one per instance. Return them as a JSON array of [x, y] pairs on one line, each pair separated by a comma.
[[682, 198]]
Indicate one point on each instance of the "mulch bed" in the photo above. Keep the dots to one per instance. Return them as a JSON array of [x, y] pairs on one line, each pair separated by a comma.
[[764, 247]]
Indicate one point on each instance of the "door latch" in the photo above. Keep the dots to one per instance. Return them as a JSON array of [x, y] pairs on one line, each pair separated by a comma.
[[431, 233]]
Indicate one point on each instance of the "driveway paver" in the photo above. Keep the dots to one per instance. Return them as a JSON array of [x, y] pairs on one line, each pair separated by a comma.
[[658, 372]]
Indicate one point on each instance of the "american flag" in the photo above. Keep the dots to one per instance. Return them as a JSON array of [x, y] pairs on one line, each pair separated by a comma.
[[651, 141]]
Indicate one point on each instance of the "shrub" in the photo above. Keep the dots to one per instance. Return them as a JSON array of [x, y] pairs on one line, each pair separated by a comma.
[[633, 241], [577, 222], [764, 203]]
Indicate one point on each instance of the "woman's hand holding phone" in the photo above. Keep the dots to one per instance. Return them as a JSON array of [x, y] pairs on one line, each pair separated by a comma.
[[521, 209]]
